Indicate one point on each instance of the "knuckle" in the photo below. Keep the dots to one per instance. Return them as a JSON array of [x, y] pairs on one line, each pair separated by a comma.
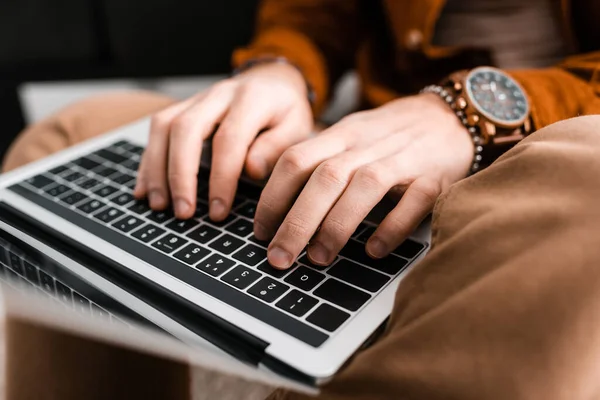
[[181, 125], [428, 189], [295, 227], [294, 160], [159, 121], [335, 228], [333, 173], [372, 176]]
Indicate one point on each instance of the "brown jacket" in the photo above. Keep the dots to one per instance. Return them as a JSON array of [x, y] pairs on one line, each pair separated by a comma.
[[389, 42]]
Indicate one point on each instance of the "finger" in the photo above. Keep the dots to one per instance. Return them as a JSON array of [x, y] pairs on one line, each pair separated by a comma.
[[270, 145], [246, 117], [291, 172], [152, 173], [326, 186], [188, 131], [415, 205], [367, 188], [296, 165]]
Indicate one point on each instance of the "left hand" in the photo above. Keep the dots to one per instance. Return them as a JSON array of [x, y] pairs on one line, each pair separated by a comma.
[[323, 188]]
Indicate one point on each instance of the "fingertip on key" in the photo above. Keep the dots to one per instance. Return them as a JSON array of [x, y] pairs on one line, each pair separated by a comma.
[[217, 210], [376, 248], [279, 258]]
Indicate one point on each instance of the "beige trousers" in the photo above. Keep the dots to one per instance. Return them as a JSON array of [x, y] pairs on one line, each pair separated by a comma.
[[507, 303]]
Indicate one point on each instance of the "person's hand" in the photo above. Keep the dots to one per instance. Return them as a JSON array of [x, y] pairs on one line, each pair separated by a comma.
[[271, 98], [321, 189]]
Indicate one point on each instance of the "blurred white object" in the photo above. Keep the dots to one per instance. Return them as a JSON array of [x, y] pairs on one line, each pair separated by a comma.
[[40, 99]]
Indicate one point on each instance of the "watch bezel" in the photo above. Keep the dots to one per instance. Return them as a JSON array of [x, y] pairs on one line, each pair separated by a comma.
[[475, 104]]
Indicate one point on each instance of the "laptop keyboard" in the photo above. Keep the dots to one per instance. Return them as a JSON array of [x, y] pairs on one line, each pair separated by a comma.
[[22, 272], [99, 187]]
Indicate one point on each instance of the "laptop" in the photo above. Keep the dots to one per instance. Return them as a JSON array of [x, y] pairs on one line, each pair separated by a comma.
[[71, 231]]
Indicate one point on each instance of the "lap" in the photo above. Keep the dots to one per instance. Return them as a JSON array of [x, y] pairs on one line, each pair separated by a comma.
[[507, 302], [81, 121]]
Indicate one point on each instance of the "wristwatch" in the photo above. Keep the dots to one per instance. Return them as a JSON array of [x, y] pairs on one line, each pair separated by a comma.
[[491, 105]]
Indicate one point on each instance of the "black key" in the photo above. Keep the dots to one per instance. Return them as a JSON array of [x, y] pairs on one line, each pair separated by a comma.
[[88, 183], [191, 254], [203, 234], [86, 163], [240, 227], [47, 282], [64, 293], [201, 209], [3, 250], [268, 289], [122, 178], [105, 171], [105, 191], [130, 185], [72, 177], [148, 233], [169, 243], [109, 215], [306, 261], [341, 294], [277, 273], [160, 216], [57, 190], [110, 156], [100, 312], [140, 207], [247, 209], [16, 263], [366, 234], [241, 277], [226, 244], [182, 226], [263, 243], [122, 144], [251, 255], [39, 181], [297, 303], [305, 278], [122, 198], [31, 272], [73, 197], [237, 201], [82, 304], [92, 205], [361, 227], [226, 221], [59, 170], [131, 165], [135, 149], [355, 251], [409, 249], [328, 317], [358, 275], [128, 223], [215, 265]]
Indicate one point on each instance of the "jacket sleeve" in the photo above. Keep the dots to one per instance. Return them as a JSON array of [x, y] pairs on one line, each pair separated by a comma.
[[568, 90], [318, 36]]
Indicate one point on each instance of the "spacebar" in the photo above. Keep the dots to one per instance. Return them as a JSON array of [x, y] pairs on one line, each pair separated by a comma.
[[191, 276]]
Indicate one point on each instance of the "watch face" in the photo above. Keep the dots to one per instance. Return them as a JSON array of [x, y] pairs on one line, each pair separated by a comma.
[[497, 96]]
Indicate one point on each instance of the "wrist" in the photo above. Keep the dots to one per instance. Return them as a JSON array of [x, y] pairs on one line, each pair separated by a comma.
[[279, 67]]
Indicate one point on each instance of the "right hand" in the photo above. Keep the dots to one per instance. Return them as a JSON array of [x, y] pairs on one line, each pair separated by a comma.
[[270, 97]]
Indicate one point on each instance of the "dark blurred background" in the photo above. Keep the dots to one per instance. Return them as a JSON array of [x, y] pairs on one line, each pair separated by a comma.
[[55, 40]]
